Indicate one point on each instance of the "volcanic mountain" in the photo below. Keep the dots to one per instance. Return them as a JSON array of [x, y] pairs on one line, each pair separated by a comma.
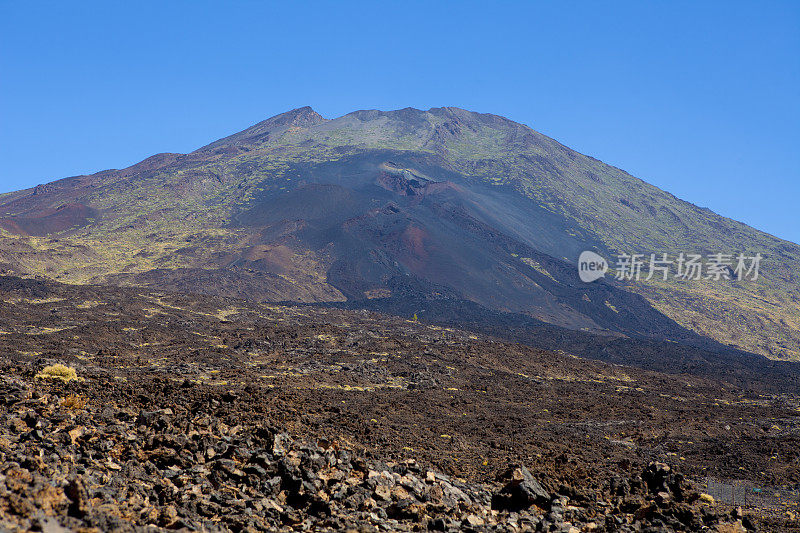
[[444, 213]]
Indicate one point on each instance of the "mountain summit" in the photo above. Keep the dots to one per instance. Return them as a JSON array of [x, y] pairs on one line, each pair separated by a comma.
[[405, 210], [302, 117]]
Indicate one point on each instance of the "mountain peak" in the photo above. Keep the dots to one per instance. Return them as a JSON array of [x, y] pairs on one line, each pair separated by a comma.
[[302, 117]]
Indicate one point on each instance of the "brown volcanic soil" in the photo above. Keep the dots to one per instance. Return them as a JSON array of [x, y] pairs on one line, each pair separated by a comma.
[[389, 389], [63, 218]]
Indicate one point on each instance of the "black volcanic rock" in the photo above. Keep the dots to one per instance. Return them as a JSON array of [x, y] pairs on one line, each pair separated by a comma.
[[521, 491], [225, 415]]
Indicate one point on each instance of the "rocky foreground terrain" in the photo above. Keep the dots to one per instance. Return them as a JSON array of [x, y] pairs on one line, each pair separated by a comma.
[[219, 415]]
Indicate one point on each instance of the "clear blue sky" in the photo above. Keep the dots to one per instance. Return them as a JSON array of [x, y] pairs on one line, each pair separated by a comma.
[[699, 98]]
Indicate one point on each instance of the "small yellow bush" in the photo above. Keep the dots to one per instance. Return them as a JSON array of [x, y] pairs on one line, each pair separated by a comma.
[[58, 371], [74, 402], [707, 498]]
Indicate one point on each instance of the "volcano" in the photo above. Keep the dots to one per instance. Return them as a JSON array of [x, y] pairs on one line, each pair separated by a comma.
[[409, 212]]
